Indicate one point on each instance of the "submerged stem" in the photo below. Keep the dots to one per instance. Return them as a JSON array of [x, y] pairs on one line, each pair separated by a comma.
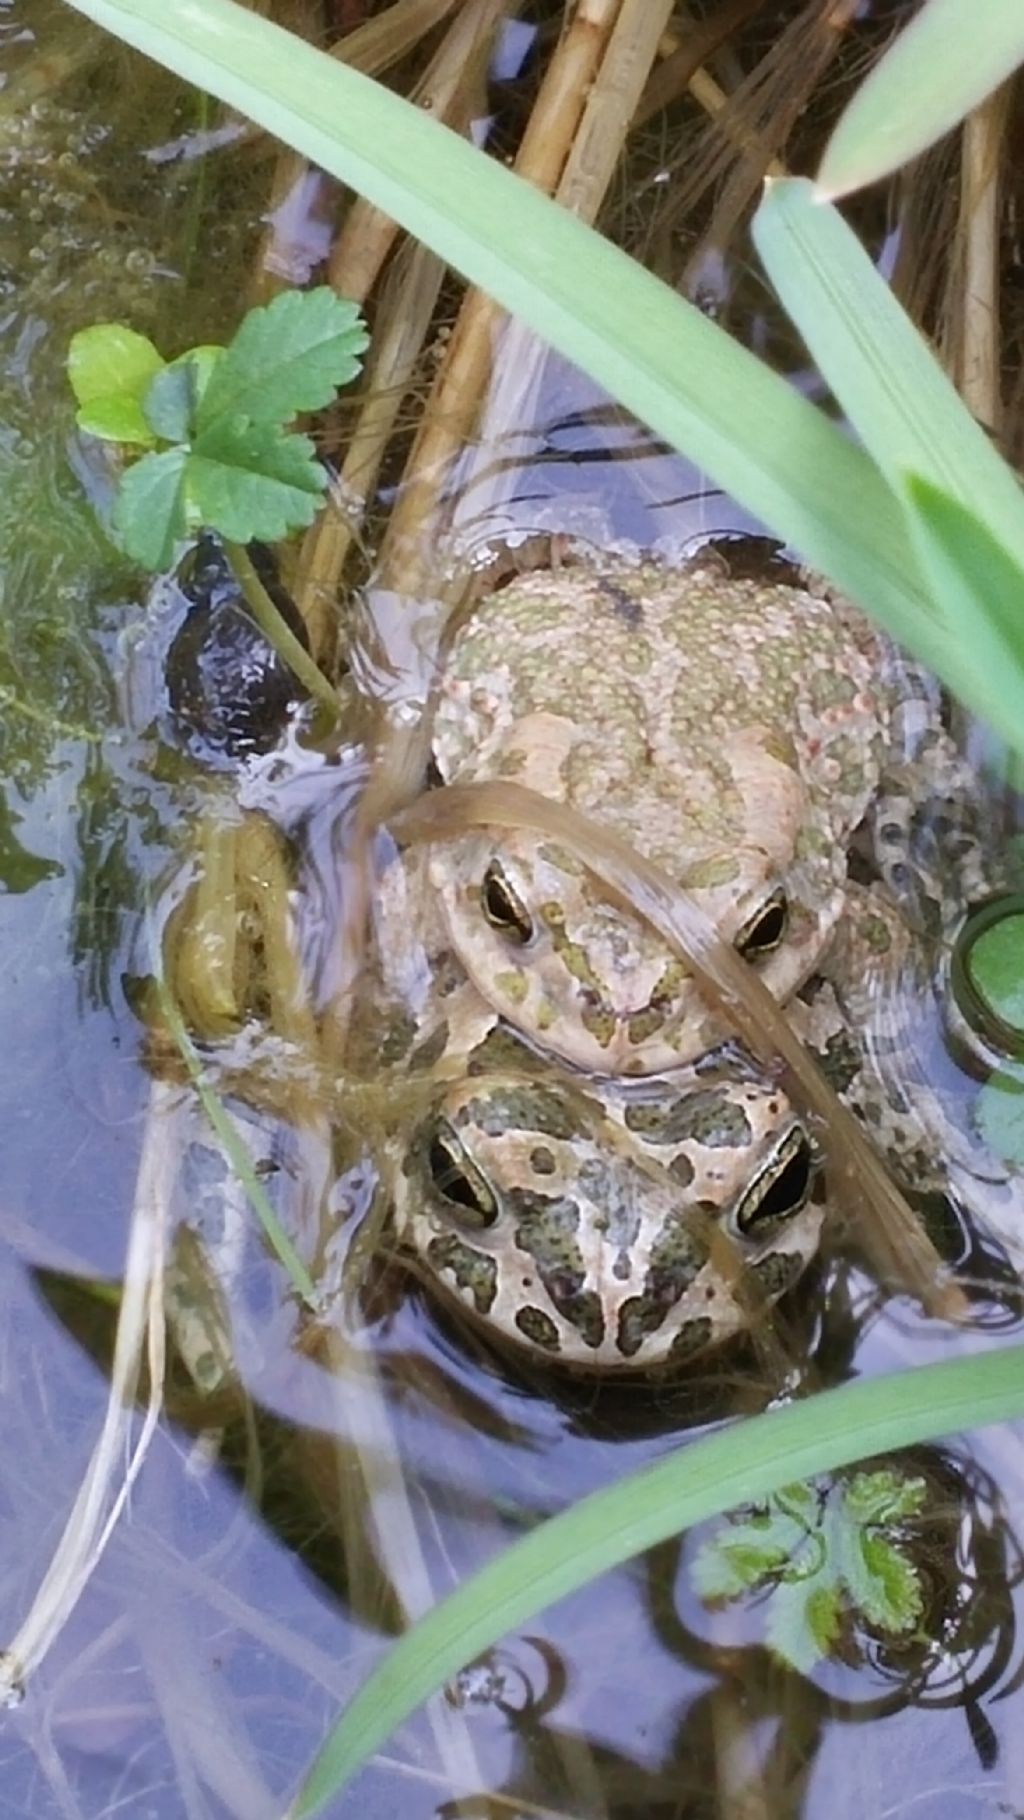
[[278, 631]]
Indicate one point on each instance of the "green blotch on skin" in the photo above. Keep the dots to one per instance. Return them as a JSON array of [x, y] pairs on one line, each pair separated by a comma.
[[430, 1050], [539, 1329], [677, 1256], [546, 1231], [572, 955], [671, 979], [512, 983], [719, 869], [782, 749], [638, 1319], [681, 1170], [693, 1337], [599, 1024], [777, 1272], [708, 1116], [523, 1107], [643, 1024], [876, 934], [841, 1061], [470, 1269]]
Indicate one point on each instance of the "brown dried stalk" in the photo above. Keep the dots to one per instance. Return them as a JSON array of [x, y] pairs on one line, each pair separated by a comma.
[[978, 352], [401, 327], [581, 87], [452, 90]]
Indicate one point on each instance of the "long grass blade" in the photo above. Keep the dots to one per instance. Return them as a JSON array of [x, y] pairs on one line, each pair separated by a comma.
[[941, 66], [977, 584], [684, 1487], [677, 371], [902, 406]]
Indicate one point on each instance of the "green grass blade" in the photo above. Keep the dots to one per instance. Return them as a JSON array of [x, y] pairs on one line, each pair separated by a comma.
[[879, 366], [901, 404], [941, 66], [659, 356], [978, 586], [686, 1486]]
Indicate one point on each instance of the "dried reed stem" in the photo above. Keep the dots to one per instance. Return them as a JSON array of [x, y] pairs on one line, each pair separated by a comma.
[[452, 90], [977, 361], [570, 147], [402, 324]]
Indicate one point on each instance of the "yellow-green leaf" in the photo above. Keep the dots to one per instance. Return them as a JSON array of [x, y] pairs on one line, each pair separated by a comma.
[[110, 367]]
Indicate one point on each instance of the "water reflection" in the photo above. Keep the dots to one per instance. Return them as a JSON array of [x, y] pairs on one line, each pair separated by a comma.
[[355, 1461]]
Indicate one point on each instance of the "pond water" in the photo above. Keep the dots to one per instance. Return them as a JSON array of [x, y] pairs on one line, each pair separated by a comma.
[[316, 1481]]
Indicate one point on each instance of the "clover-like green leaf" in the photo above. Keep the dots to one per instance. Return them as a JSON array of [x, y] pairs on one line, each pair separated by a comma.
[[289, 356], [110, 368], [116, 418], [888, 1590], [802, 1622], [252, 480], [173, 396], [727, 1565], [819, 1551], [169, 402], [883, 1496], [232, 466], [149, 511], [748, 1552]]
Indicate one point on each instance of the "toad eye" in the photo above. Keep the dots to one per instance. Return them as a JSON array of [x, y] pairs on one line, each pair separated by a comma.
[[766, 928], [459, 1180], [782, 1188], [503, 909]]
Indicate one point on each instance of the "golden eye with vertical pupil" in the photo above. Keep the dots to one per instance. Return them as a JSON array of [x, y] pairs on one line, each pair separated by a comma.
[[458, 1179], [766, 928], [502, 908]]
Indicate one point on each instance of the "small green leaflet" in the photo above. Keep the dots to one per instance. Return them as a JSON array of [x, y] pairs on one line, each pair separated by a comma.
[[253, 480], [819, 1551], [169, 403], [230, 464], [174, 395], [802, 1627], [110, 368], [149, 511], [290, 356]]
